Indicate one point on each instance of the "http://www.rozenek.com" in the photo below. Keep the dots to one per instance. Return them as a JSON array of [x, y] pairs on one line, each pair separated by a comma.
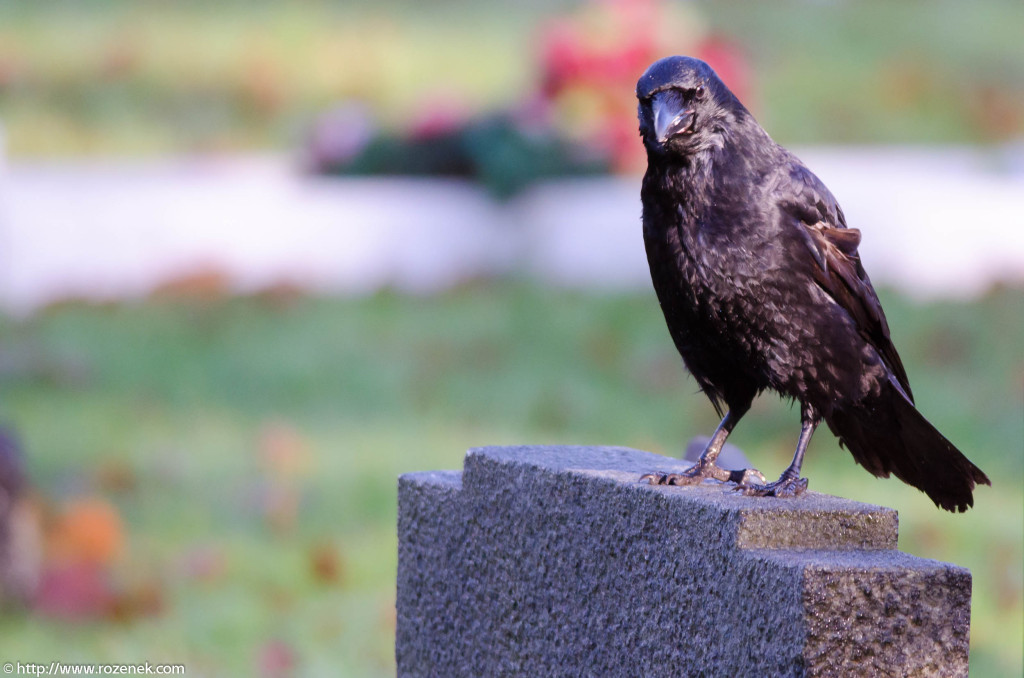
[[55, 668]]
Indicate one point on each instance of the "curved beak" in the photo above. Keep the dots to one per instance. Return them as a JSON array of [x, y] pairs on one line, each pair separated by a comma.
[[671, 117]]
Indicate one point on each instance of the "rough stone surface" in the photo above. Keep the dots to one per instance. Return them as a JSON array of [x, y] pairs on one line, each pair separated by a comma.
[[556, 561]]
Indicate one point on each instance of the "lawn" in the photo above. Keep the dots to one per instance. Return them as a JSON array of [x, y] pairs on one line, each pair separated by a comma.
[[251, 449], [137, 78]]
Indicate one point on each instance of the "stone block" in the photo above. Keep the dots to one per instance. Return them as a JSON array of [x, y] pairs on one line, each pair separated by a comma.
[[557, 561]]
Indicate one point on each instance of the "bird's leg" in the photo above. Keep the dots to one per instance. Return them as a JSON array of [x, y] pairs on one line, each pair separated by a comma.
[[789, 484], [705, 466]]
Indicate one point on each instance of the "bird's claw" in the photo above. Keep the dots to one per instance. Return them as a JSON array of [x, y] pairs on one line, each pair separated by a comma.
[[746, 476], [689, 477], [698, 473], [784, 488]]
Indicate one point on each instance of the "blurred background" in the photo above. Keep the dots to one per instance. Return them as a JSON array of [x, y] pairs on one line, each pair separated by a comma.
[[258, 259]]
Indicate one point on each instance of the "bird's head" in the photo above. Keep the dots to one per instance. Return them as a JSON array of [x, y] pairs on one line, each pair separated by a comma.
[[684, 107]]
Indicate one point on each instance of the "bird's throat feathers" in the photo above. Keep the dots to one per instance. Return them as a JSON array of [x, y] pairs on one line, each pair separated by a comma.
[[692, 176], [682, 180]]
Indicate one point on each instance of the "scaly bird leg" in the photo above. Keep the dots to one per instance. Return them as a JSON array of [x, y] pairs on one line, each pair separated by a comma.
[[789, 484], [705, 466]]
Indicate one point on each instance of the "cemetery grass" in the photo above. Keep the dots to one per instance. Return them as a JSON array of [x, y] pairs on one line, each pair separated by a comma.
[[137, 79], [251, 449]]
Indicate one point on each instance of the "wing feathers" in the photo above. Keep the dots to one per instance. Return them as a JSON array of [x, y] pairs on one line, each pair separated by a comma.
[[837, 268]]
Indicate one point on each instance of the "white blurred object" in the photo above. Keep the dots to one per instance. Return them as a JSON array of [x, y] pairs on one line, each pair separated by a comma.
[[113, 231], [935, 222]]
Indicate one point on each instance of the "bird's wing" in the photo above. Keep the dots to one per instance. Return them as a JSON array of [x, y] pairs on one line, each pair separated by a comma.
[[836, 263]]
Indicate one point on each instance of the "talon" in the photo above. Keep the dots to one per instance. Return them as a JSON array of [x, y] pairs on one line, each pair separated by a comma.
[[792, 488], [746, 477], [784, 488], [671, 478], [701, 472], [655, 478]]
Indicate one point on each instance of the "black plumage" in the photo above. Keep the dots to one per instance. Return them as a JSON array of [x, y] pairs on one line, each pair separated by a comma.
[[762, 287]]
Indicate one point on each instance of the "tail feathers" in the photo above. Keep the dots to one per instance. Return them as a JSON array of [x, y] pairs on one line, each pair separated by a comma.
[[887, 435]]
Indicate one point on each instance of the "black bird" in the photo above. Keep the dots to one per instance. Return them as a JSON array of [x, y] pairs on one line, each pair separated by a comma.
[[762, 288]]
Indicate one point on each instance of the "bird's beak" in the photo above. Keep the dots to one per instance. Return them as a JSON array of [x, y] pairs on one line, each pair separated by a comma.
[[671, 117]]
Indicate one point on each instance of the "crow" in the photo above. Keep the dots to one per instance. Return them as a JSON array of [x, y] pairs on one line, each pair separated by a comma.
[[762, 287]]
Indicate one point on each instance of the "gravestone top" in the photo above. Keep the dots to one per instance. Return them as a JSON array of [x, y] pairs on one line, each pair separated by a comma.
[[558, 560]]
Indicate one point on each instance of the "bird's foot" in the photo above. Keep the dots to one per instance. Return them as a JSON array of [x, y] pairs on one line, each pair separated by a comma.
[[789, 485], [697, 473]]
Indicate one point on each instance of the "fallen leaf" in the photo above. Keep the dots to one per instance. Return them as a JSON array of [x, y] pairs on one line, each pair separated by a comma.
[[143, 600], [326, 564], [86, 531]]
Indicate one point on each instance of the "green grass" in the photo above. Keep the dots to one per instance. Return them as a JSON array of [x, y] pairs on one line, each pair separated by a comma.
[[183, 397], [882, 72], [142, 78]]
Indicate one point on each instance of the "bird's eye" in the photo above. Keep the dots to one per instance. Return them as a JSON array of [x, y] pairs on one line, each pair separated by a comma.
[[699, 92]]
